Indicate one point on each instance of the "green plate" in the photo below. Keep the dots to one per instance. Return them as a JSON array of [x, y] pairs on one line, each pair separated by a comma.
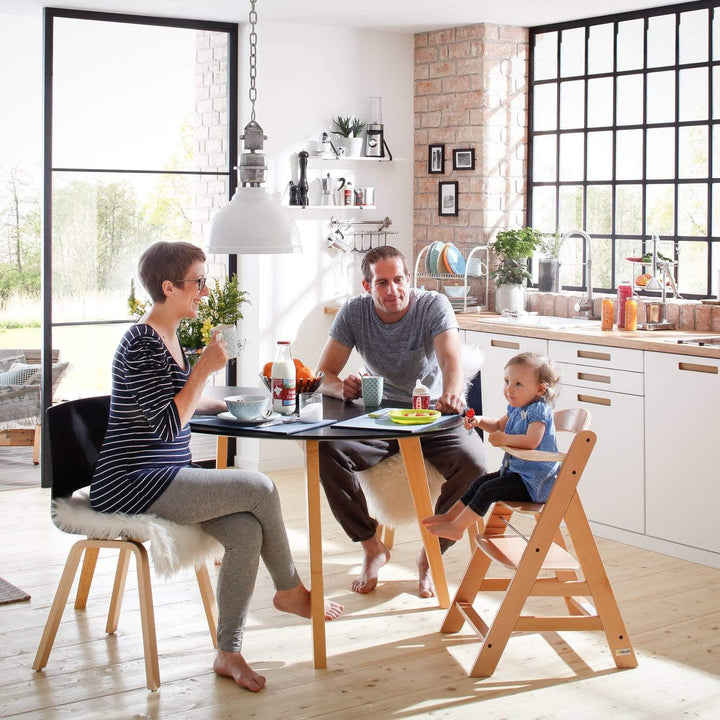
[[413, 417]]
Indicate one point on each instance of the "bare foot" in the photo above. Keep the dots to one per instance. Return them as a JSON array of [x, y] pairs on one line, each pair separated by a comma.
[[296, 601], [446, 529], [233, 665], [376, 555], [426, 589], [435, 520]]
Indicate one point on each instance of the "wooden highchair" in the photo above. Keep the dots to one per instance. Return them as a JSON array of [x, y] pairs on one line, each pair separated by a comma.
[[590, 602]]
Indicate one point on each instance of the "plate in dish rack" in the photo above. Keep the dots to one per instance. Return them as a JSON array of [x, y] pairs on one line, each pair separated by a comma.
[[413, 416], [433, 256]]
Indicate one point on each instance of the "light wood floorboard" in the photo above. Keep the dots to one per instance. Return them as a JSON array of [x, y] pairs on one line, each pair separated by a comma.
[[386, 657]]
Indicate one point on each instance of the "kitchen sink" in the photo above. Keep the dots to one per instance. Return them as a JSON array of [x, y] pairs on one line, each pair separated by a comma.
[[697, 341], [548, 322]]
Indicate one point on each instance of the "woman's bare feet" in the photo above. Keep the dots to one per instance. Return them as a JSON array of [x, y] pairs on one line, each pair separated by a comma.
[[233, 665], [376, 555], [426, 589], [296, 601]]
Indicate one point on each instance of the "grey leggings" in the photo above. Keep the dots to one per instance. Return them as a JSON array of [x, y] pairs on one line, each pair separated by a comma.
[[241, 510]]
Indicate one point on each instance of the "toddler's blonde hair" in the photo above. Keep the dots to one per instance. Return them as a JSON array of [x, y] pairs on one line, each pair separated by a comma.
[[544, 369]]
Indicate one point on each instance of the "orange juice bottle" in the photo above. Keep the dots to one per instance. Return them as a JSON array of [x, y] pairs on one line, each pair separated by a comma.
[[631, 314], [607, 314]]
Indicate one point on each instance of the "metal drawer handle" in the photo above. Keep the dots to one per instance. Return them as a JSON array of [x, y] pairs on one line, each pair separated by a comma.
[[505, 344], [594, 378], [590, 355], [694, 367], [594, 400]]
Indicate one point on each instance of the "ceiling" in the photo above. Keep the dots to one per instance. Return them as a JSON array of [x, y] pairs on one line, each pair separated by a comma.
[[393, 15]]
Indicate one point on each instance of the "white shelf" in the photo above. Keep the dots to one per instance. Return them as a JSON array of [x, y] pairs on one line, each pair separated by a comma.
[[321, 162], [331, 207]]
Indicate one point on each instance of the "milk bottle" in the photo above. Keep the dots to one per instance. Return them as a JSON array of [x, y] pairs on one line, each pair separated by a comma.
[[283, 380]]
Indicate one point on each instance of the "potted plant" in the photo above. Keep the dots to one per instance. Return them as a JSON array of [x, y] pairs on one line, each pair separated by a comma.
[[348, 128], [222, 311], [513, 248], [549, 263]]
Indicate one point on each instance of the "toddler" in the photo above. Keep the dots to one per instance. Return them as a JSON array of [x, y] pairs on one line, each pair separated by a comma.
[[529, 388]]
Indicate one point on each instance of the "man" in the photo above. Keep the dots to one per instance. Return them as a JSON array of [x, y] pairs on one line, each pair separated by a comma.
[[402, 334]]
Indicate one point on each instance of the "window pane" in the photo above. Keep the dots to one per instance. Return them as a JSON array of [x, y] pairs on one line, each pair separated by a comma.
[[630, 100], [599, 155], [571, 254], [661, 41], [572, 52], [599, 209], [692, 267], [660, 209], [571, 208], [572, 104], [715, 270], [692, 209], [545, 107], [545, 56], [661, 97], [101, 224], [716, 36], [693, 152], [630, 45], [660, 153], [694, 36], [716, 92], [628, 209], [601, 254], [152, 117], [543, 208], [625, 248], [716, 209], [544, 158], [601, 49], [694, 94], [716, 151], [571, 156], [628, 154], [600, 102]]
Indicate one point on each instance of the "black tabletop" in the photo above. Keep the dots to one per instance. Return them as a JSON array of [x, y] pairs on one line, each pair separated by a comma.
[[332, 409]]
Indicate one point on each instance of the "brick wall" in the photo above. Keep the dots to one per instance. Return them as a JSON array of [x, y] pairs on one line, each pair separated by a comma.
[[471, 91]]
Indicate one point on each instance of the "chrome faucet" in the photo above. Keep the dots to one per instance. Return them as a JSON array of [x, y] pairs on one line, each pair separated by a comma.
[[586, 304]]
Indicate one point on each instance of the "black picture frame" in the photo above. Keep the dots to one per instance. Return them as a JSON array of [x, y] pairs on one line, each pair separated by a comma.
[[463, 159], [436, 159], [448, 198]]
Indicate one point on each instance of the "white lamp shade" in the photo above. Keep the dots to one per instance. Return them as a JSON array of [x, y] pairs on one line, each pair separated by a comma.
[[252, 223]]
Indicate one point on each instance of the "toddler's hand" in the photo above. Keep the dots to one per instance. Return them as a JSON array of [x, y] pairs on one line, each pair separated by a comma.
[[496, 438]]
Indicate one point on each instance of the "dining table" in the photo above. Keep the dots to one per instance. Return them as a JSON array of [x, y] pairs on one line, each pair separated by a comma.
[[311, 435]]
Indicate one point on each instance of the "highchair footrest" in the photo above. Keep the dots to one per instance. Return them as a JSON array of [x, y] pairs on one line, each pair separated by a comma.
[[508, 551]]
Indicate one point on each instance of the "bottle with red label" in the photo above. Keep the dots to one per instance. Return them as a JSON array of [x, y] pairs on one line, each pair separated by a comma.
[[624, 292], [420, 397], [283, 380]]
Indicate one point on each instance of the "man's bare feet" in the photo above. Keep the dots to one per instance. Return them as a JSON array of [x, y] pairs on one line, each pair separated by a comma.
[[296, 601], [233, 665], [376, 555], [449, 530], [426, 588]]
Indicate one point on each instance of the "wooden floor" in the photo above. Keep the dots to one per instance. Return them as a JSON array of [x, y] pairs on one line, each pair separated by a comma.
[[386, 658]]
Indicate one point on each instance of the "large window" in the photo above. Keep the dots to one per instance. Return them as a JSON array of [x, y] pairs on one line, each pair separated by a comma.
[[625, 141]]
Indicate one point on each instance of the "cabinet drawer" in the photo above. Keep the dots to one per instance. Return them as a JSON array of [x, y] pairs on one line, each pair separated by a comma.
[[596, 355], [510, 344], [603, 379]]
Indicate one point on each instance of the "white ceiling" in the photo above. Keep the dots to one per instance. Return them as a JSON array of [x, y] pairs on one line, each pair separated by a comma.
[[396, 15]]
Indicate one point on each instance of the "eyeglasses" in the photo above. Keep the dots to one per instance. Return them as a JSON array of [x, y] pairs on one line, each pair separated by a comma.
[[201, 282]]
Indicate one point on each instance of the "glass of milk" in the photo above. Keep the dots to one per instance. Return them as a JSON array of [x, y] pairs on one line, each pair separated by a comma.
[[311, 407]]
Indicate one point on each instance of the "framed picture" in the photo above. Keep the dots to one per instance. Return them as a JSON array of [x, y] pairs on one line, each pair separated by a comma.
[[448, 198], [436, 159], [464, 159]]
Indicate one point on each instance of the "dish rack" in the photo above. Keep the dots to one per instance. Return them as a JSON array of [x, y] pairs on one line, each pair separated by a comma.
[[477, 267]]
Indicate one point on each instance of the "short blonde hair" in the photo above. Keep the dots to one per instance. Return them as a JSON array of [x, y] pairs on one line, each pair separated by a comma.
[[544, 369]]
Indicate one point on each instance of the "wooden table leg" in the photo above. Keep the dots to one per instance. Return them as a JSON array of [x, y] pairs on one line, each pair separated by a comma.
[[317, 586], [412, 456], [221, 452]]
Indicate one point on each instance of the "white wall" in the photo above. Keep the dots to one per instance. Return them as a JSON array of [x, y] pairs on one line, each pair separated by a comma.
[[307, 74]]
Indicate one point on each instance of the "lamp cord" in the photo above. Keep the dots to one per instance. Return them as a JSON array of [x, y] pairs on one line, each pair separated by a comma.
[[253, 59]]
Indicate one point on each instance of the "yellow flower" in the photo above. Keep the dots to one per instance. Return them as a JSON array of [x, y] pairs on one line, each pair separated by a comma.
[[206, 330]]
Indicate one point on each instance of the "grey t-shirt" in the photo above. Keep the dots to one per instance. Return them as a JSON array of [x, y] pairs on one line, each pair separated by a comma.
[[401, 351]]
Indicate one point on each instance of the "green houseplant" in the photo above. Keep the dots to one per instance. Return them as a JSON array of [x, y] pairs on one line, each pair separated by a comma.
[[222, 310], [513, 248], [347, 134]]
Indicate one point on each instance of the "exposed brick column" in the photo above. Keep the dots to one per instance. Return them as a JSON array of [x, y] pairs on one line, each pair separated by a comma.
[[471, 91]]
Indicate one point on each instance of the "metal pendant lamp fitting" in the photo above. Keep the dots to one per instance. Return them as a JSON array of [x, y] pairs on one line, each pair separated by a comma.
[[252, 223]]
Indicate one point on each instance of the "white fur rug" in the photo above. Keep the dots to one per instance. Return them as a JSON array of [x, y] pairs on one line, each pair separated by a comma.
[[172, 546]]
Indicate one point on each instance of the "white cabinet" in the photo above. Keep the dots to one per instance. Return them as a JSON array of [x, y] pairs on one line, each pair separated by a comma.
[[682, 398], [608, 382], [497, 350]]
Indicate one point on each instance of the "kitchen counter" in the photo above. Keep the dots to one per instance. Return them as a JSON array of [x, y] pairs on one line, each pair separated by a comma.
[[652, 340]]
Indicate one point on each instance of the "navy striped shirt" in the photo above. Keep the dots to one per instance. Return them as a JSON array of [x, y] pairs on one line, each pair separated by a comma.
[[145, 445]]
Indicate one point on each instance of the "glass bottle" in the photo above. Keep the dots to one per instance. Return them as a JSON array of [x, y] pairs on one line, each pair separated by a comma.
[[283, 380], [420, 396], [631, 314], [624, 291], [607, 314]]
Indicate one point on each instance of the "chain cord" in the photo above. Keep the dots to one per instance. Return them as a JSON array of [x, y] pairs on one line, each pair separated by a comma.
[[253, 59]]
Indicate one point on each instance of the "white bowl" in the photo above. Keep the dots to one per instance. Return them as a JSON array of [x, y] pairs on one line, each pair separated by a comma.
[[456, 291], [247, 407]]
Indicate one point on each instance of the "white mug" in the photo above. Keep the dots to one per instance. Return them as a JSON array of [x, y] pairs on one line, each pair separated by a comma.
[[368, 196]]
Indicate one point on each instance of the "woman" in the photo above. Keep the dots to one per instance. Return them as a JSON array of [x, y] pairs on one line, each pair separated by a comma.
[[144, 464]]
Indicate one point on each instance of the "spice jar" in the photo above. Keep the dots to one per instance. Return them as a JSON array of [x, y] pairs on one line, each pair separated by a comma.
[[607, 314], [631, 314]]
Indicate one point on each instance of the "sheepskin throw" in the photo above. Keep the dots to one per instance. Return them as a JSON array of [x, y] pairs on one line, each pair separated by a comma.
[[172, 546]]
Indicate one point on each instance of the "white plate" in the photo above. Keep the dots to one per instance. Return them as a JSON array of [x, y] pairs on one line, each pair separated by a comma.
[[257, 421]]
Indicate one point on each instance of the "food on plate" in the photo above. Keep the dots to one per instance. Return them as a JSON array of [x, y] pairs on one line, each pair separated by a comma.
[[413, 416], [643, 279]]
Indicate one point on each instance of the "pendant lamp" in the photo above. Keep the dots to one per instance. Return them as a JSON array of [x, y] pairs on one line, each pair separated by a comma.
[[252, 222]]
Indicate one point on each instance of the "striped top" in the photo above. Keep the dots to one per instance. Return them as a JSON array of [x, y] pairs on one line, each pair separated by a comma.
[[144, 446]]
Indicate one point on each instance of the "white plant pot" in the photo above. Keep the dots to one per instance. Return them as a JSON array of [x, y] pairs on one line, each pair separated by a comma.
[[230, 335], [510, 297], [351, 145]]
